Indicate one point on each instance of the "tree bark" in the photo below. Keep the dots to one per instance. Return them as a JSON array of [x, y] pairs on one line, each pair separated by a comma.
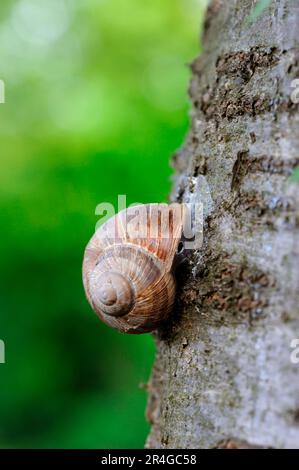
[[223, 375]]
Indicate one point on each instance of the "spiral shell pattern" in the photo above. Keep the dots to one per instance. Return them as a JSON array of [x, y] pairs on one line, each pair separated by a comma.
[[128, 274]]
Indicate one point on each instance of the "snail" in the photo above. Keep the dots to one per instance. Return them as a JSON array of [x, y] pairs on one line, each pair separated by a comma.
[[129, 263]]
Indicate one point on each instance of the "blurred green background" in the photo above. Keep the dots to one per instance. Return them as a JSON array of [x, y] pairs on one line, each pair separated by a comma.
[[96, 102]]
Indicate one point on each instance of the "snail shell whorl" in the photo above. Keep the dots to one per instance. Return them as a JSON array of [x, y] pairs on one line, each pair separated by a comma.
[[128, 280], [111, 292]]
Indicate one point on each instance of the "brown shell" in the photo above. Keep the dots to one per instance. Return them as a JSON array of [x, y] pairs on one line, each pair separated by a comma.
[[133, 270]]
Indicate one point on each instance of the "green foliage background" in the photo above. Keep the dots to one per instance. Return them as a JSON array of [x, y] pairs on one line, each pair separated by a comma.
[[96, 102]]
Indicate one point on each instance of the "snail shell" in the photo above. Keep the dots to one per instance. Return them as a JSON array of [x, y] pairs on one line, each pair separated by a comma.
[[128, 266]]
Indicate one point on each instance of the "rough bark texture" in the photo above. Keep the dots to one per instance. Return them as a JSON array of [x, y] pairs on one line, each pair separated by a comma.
[[223, 375]]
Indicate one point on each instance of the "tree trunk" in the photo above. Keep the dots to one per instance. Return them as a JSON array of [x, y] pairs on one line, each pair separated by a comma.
[[223, 375]]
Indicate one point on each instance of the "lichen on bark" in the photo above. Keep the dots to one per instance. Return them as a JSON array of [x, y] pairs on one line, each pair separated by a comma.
[[223, 373]]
